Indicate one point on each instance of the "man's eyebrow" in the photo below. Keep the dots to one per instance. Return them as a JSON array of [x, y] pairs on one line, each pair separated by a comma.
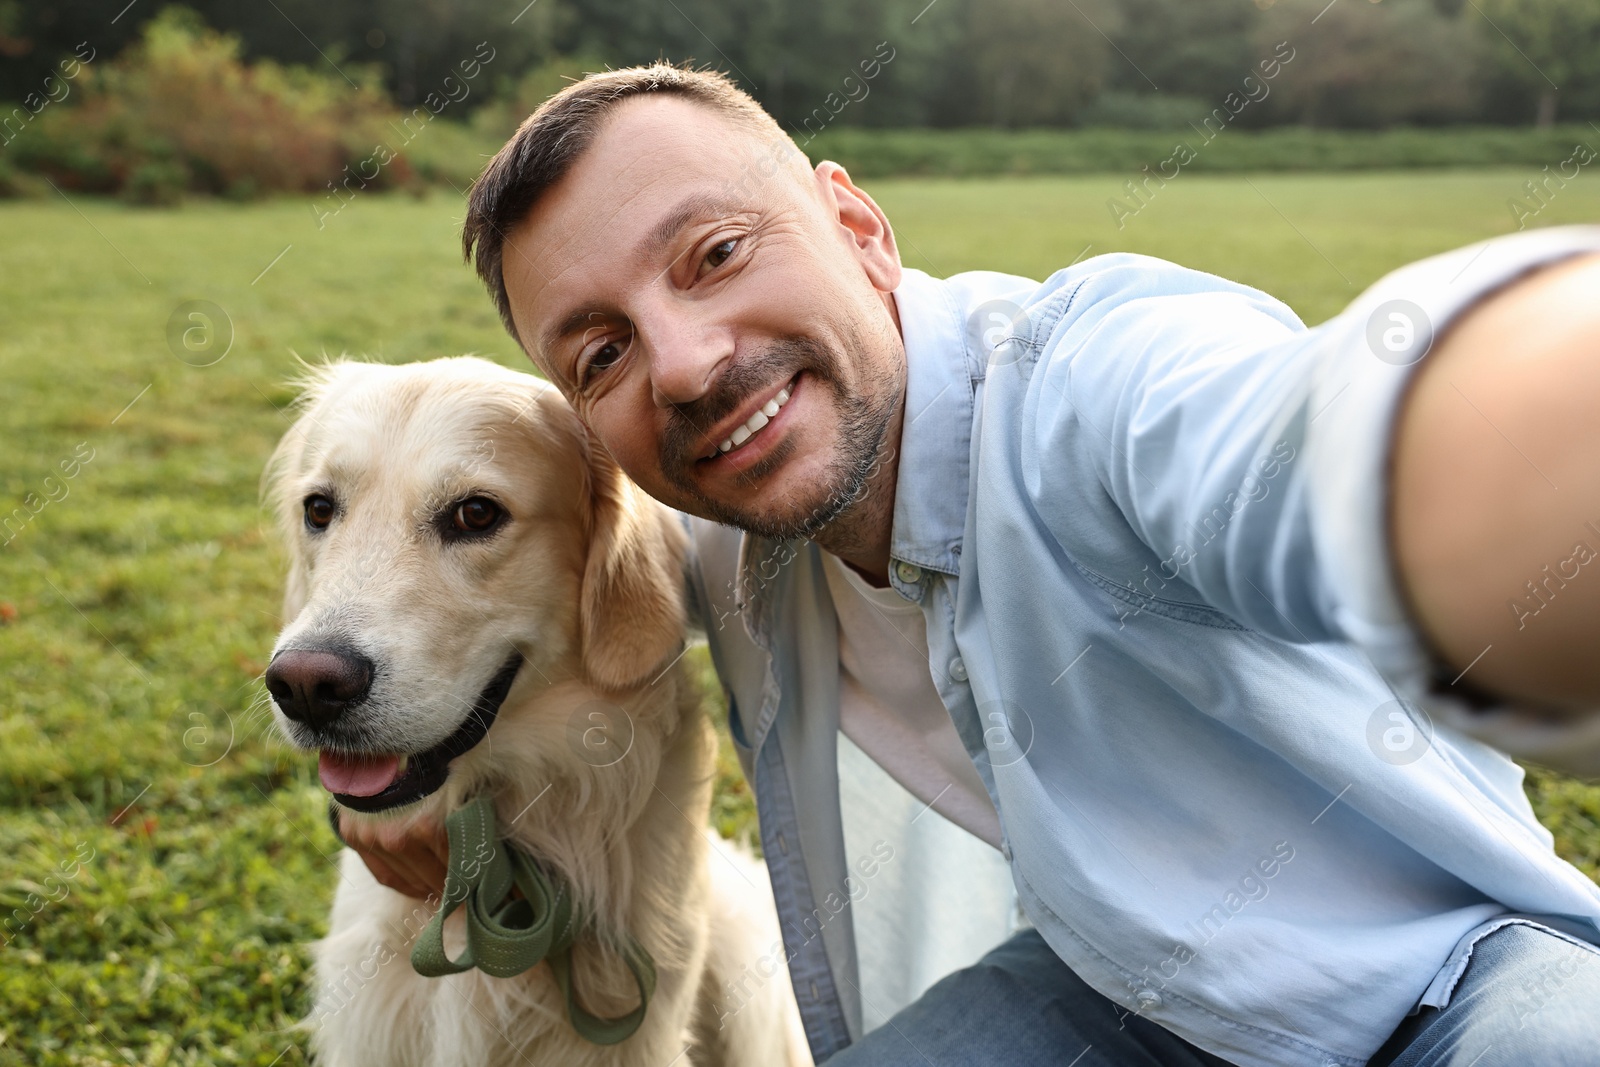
[[691, 208]]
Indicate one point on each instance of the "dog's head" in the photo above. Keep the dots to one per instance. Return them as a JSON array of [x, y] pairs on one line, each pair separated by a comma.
[[456, 543]]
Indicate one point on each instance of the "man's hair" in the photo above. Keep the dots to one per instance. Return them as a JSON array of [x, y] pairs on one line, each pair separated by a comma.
[[549, 142]]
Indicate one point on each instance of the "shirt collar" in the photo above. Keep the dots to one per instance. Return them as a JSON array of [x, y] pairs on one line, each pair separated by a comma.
[[930, 504], [930, 509]]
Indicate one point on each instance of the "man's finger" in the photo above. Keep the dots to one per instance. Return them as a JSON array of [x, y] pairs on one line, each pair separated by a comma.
[[409, 859], [424, 868], [387, 876]]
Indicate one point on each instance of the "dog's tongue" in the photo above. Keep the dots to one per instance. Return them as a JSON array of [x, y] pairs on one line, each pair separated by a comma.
[[357, 776]]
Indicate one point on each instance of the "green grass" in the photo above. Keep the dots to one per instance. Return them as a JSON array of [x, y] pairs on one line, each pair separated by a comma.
[[136, 611], [1313, 240]]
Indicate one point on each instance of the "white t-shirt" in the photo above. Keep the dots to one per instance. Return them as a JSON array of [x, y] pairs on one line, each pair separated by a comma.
[[905, 781], [889, 707]]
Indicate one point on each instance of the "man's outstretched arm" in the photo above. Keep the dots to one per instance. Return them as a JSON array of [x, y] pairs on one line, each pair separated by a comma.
[[1394, 478], [1495, 507]]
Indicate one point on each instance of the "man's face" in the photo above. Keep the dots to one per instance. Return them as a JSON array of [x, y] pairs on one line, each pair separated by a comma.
[[717, 314]]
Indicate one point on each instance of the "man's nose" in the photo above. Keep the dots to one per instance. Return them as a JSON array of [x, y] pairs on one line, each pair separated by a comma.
[[685, 355]]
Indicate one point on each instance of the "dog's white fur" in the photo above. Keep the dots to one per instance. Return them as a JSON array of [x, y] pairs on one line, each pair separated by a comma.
[[585, 581]]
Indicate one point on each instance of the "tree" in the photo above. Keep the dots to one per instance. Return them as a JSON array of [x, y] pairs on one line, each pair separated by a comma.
[[1372, 64], [1198, 48], [807, 64], [1545, 46], [416, 44], [1037, 62]]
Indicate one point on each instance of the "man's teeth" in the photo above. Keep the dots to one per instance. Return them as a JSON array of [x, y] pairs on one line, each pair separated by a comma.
[[755, 422]]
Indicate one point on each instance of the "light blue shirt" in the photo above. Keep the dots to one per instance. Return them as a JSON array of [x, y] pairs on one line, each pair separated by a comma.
[[1143, 510]]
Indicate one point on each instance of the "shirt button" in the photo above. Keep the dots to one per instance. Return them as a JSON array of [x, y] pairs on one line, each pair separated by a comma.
[[909, 573], [1148, 999], [958, 670]]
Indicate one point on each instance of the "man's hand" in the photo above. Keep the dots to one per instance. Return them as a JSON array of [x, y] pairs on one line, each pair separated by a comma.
[[1496, 506], [409, 858]]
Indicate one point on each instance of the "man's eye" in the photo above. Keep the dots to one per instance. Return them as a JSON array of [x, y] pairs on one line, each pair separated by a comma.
[[720, 253], [606, 356]]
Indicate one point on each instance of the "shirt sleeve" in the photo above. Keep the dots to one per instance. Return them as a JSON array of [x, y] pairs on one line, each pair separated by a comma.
[[1250, 456]]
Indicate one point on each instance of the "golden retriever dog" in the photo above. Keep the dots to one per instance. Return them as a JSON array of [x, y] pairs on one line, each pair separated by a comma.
[[480, 603]]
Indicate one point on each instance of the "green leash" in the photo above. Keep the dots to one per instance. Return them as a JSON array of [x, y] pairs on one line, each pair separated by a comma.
[[506, 935]]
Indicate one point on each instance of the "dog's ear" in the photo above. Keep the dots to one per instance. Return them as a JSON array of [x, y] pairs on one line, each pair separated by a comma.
[[275, 496], [630, 611]]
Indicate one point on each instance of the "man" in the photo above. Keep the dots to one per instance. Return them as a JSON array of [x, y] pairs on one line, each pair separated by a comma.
[[1158, 534]]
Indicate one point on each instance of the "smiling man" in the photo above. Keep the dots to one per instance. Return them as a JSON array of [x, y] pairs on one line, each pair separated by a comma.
[[776, 394], [1126, 574]]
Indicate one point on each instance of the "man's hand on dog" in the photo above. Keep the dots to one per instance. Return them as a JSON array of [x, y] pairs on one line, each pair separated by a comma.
[[409, 858]]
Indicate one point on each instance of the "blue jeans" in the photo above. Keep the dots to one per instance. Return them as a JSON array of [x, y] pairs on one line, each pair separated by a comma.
[[1527, 999]]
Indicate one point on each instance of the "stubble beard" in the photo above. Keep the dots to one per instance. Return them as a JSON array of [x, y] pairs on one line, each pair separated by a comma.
[[864, 423]]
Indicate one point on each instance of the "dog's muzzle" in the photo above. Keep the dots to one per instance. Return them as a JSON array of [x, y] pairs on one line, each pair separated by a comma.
[[372, 782]]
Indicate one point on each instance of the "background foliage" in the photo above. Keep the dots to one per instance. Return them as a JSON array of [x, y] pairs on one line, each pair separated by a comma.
[[178, 110], [242, 100], [1002, 63]]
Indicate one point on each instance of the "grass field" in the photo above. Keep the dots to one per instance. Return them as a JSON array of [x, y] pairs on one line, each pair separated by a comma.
[[138, 604]]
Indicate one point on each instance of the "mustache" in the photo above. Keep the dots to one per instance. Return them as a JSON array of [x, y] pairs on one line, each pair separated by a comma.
[[683, 439]]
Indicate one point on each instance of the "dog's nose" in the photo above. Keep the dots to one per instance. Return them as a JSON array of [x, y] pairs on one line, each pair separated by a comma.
[[316, 687]]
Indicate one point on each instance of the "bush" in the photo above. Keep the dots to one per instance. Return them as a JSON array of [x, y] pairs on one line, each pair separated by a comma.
[[158, 183], [871, 153], [1143, 111], [180, 111], [14, 183]]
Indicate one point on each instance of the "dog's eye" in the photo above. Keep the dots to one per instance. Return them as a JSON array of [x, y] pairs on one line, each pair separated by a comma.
[[319, 511], [476, 515]]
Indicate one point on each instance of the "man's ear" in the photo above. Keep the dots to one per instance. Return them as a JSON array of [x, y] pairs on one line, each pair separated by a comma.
[[863, 224], [630, 610]]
